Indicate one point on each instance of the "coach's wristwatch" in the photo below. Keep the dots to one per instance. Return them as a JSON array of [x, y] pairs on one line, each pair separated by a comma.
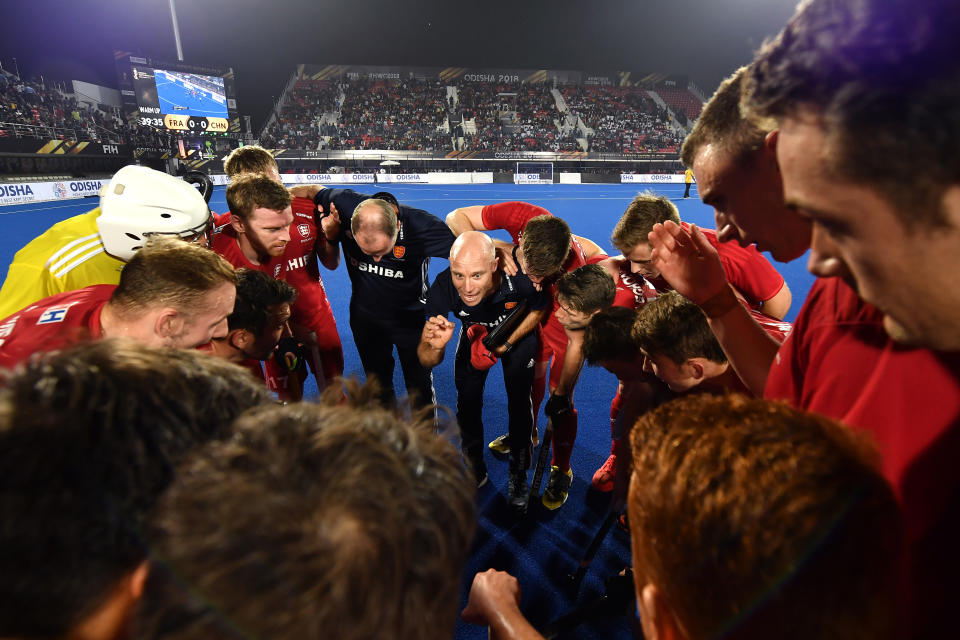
[[506, 347]]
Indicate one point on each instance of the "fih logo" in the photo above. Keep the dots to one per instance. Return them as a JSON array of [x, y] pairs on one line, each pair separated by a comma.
[[59, 190]]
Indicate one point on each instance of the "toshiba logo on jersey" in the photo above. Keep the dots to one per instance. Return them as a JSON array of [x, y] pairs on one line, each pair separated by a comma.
[[297, 263], [377, 269]]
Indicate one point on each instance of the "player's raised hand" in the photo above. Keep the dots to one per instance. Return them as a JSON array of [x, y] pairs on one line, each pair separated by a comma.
[[330, 223], [493, 593], [437, 332], [687, 261]]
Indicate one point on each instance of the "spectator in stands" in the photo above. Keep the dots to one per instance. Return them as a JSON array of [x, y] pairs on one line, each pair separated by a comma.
[[89, 438], [171, 294], [725, 544], [372, 511], [91, 248]]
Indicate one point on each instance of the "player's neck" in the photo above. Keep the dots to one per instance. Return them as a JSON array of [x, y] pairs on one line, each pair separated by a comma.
[[248, 251], [721, 377]]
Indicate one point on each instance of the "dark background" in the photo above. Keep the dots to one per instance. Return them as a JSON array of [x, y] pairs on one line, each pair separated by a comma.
[[263, 40]]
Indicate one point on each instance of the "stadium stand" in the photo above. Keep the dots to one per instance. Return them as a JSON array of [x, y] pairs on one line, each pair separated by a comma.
[[32, 109], [682, 101], [622, 120], [382, 112], [428, 115]]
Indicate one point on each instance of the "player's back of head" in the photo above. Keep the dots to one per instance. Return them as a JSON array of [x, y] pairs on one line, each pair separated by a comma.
[[374, 215], [313, 522], [170, 272], [609, 336], [587, 289], [673, 326], [256, 293], [88, 440], [645, 210], [721, 124], [250, 158], [756, 520], [545, 244]]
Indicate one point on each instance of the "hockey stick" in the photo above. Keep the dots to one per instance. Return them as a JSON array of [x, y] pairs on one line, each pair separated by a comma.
[[594, 546], [542, 456], [499, 334]]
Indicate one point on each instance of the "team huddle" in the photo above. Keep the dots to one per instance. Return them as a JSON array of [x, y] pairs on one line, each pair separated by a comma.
[[779, 481]]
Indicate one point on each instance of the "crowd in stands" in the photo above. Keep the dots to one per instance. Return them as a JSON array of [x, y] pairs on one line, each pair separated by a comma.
[[405, 115], [514, 119], [297, 122], [383, 114], [410, 114], [624, 120], [53, 114]]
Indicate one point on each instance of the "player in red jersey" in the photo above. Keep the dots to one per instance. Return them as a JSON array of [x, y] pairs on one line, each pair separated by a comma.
[[258, 321], [312, 323], [838, 360], [680, 349], [546, 250], [171, 294], [756, 281]]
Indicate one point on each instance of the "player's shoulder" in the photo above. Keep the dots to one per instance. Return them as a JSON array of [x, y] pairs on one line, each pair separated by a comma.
[[85, 296], [63, 236]]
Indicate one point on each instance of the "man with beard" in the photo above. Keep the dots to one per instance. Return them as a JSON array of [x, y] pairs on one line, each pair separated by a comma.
[[312, 321], [255, 233]]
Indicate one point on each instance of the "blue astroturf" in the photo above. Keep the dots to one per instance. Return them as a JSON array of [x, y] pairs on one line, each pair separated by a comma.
[[545, 546]]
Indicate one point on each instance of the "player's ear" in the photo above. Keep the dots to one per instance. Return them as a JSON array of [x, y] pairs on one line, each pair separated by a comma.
[[770, 147], [240, 339], [656, 616], [169, 323], [237, 223]]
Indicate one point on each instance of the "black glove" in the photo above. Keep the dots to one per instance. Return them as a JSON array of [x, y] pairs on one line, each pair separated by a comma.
[[557, 406], [289, 354]]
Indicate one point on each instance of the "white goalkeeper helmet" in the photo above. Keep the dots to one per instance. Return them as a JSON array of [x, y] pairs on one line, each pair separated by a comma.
[[140, 202]]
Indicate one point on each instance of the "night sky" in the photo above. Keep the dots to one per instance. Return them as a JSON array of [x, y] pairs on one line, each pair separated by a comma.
[[263, 40]]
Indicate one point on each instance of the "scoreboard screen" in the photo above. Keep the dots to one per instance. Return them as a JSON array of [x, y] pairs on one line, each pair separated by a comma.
[[176, 96]]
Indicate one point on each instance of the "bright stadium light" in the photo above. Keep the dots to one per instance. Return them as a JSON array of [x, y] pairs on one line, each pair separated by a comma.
[[176, 30]]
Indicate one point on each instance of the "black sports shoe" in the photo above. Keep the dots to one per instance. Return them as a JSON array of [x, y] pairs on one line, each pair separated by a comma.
[[518, 489]]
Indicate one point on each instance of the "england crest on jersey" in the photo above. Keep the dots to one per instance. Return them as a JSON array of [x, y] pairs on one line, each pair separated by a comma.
[[304, 230]]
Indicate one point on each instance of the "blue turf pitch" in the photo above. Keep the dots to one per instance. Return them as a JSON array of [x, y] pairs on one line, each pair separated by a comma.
[[543, 548]]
